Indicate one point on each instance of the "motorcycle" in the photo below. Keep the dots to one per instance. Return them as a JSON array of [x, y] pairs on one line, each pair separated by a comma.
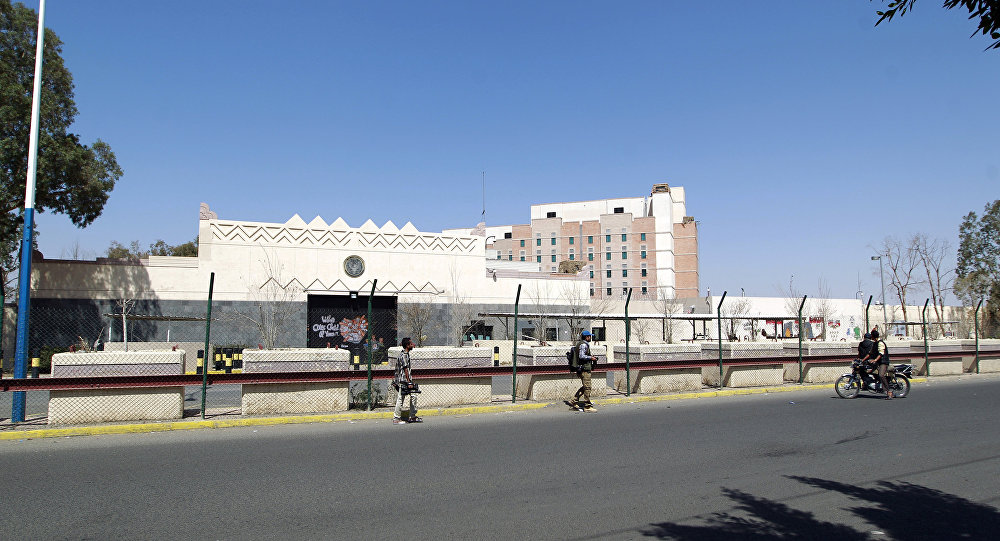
[[862, 379]]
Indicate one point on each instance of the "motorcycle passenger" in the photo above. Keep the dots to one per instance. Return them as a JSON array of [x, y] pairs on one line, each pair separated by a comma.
[[865, 347], [880, 355]]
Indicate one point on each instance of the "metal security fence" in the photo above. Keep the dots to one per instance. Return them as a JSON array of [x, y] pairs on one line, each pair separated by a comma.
[[121, 361]]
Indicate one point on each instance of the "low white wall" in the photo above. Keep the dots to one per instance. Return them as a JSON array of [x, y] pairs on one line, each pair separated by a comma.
[[110, 363], [296, 360]]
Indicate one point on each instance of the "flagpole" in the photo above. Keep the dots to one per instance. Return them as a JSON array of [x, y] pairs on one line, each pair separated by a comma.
[[24, 281]]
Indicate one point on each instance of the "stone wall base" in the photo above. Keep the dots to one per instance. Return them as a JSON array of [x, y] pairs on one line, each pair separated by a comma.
[[744, 376], [79, 406], [661, 381], [817, 373], [442, 392], [271, 398], [558, 386]]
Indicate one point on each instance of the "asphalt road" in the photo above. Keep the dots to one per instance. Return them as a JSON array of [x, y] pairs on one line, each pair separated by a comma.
[[786, 465]]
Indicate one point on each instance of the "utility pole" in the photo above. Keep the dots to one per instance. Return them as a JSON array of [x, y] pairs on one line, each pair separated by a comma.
[[881, 275]]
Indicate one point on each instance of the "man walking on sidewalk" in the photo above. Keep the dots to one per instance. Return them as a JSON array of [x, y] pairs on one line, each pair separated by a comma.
[[584, 363]]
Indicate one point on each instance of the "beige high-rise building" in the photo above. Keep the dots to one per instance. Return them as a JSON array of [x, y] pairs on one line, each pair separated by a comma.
[[647, 243]]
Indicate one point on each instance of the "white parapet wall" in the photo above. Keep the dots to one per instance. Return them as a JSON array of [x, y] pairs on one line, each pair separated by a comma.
[[107, 405], [658, 380], [303, 397]]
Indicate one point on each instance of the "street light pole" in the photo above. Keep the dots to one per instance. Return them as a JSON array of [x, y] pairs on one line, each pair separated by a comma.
[[881, 275]]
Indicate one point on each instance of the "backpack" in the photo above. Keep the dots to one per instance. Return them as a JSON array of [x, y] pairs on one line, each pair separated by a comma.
[[572, 359]]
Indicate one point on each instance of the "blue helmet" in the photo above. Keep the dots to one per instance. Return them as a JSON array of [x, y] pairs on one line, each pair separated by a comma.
[[585, 334]]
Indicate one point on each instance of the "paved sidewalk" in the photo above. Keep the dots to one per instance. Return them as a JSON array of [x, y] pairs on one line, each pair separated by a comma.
[[24, 433]]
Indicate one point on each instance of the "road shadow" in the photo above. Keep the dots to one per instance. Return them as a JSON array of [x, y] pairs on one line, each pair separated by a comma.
[[908, 511], [897, 509], [756, 518]]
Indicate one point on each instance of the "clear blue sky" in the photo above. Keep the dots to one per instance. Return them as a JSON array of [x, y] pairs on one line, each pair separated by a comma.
[[802, 133]]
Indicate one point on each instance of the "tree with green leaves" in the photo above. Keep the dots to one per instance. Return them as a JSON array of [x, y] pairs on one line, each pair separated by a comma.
[[134, 250], [977, 273], [71, 178], [987, 11]]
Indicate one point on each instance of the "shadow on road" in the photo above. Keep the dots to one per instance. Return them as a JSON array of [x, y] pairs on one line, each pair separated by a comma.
[[897, 509]]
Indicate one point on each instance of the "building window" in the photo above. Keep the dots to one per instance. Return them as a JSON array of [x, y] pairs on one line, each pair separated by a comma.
[[619, 210], [508, 235], [510, 258], [624, 255], [550, 214], [538, 242], [590, 239], [571, 240], [609, 291], [607, 256], [608, 273], [553, 239], [553, 259], [624, 291], [522, 243], [553, 269], [642, 254], [522, 257], [624, 237], [591, 275], [642, 236], [607, 238], [538, 259], [571, 256], [550, 334], [644, 291], [643, 273], [590, 256], [599, 334], [591, 292], [624, 273]]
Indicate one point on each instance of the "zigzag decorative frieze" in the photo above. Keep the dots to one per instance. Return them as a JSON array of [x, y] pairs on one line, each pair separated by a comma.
[[389, 287], [369, 236]]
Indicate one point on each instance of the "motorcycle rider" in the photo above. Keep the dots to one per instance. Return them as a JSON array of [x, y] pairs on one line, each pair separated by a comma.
[[880, 355]]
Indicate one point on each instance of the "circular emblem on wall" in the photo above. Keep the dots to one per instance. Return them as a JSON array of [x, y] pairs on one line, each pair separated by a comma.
[[354, 266]]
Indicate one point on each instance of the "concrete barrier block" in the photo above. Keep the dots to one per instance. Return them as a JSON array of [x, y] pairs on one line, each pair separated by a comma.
[[80, 406], [821, 373], [295, 360], [307, 397], [111, 363], [944, 367], [444, 392], [557, 386], [989, 364], [744, 376], [445, 357], [661, 381], [555, 355]]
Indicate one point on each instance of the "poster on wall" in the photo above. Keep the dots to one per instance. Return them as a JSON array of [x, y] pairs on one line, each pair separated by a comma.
[[338, 321]]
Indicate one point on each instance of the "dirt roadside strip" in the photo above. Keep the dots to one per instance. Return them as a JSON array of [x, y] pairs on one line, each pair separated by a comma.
[[164, 426]]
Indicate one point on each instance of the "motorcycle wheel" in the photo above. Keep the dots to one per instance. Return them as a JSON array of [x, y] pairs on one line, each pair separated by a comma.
[[900, 387], [847, 387]]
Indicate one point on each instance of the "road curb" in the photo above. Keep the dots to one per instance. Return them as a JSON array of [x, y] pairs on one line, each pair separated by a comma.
[[338, 417], [166, 426]]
